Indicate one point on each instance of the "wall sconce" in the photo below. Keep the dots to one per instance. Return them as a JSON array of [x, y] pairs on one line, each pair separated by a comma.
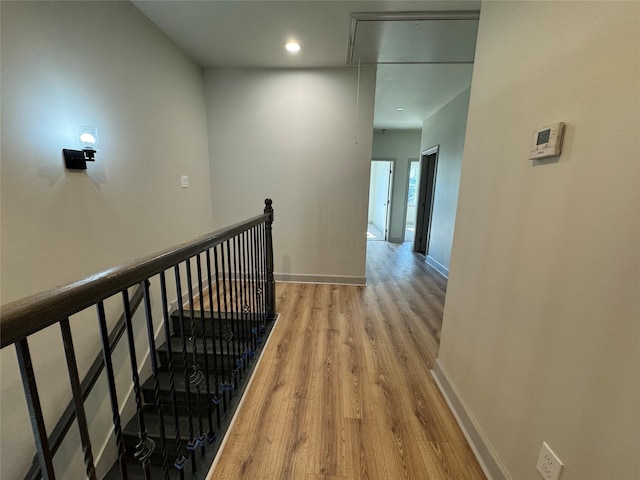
[[77, 159]]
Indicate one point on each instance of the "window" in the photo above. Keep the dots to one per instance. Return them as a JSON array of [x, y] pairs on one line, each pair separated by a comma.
[[414, 173]]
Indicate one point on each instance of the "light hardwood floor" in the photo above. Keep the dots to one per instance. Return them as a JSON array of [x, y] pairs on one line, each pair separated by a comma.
[[343, 389]]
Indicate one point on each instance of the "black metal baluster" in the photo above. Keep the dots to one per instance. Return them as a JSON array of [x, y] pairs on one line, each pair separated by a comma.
[[258, 273], [222, 386], [191, 442], [234, 326], [214, 399], [197, 376], [108, 366], [249, 285], [228, 385], [35, 410], [156, 380], [237, 262], [180, 459], [259, 268], [145, 447], [238, 300], [78, 402], [263, 279], [255, 281], [248, 293], [211, 435], [258, 278], [264, 273], [244, 300]]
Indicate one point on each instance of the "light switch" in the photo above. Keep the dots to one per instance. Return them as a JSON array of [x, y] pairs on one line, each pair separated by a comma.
[[184, 181]]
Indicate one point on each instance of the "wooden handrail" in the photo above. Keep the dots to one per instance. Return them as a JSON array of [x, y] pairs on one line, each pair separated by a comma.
[[31, 314]]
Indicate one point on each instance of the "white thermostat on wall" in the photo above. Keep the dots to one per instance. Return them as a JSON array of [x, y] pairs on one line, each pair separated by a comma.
[[547, 141]]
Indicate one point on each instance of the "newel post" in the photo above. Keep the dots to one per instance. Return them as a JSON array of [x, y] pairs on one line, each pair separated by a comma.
[[271, 284]]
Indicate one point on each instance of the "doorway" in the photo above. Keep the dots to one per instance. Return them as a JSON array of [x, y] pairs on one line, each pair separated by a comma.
[[379, 199], [428, 169], [412, 200]]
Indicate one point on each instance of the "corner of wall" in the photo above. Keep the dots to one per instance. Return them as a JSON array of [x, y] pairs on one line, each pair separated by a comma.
[[478, 441]]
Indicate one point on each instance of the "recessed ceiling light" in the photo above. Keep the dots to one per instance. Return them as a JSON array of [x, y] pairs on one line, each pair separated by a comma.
[[293, 46], [400, 109]]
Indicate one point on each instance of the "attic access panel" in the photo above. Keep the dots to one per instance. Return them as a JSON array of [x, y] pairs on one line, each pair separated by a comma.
[[413, 37]]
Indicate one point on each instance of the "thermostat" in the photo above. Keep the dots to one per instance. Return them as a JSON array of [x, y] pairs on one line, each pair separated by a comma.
[[547, 141]]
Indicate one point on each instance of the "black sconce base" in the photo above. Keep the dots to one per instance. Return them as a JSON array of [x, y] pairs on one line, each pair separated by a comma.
[[77, 159]]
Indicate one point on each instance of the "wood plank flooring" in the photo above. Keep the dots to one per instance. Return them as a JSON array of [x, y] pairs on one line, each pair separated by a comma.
[[343, 389]]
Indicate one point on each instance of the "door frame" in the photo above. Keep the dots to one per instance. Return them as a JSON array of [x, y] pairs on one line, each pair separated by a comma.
[[426, 196]]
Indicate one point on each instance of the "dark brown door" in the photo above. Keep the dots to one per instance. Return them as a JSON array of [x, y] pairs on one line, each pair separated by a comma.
[[428, 170]]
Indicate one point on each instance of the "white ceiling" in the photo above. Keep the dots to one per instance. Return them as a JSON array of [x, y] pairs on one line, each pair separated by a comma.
[[241, 34], [420, 89]]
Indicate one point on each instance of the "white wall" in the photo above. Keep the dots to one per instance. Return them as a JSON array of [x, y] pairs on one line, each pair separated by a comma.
[[294, 136], [65, 64], [445, 128], [541, 325], [403, 146]]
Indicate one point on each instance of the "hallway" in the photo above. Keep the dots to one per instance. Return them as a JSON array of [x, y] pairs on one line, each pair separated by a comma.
[[343, 389]]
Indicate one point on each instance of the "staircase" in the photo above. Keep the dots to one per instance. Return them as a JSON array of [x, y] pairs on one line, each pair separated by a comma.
[[198, 371], [200, 405]]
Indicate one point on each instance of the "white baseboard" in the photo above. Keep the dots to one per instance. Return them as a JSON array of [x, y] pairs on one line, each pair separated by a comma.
[[481, 447], [289, 278], [332, 279], [395, 239], [442, 270]]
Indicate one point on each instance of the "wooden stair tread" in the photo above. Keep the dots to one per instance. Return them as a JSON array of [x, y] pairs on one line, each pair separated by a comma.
[[211, 347], [180, 383]]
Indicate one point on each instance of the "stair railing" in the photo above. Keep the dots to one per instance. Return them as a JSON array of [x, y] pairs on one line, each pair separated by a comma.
[[228, 301], [59, 432]]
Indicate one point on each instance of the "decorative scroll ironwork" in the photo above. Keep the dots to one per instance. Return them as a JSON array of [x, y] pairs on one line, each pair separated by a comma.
[[143, 452], [227, 334], [197, 377]]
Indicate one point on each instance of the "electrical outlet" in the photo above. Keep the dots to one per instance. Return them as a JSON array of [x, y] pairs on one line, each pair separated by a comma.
[[549, 465]]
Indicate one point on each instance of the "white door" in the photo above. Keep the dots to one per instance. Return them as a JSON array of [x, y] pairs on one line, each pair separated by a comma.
[[379, 199]]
